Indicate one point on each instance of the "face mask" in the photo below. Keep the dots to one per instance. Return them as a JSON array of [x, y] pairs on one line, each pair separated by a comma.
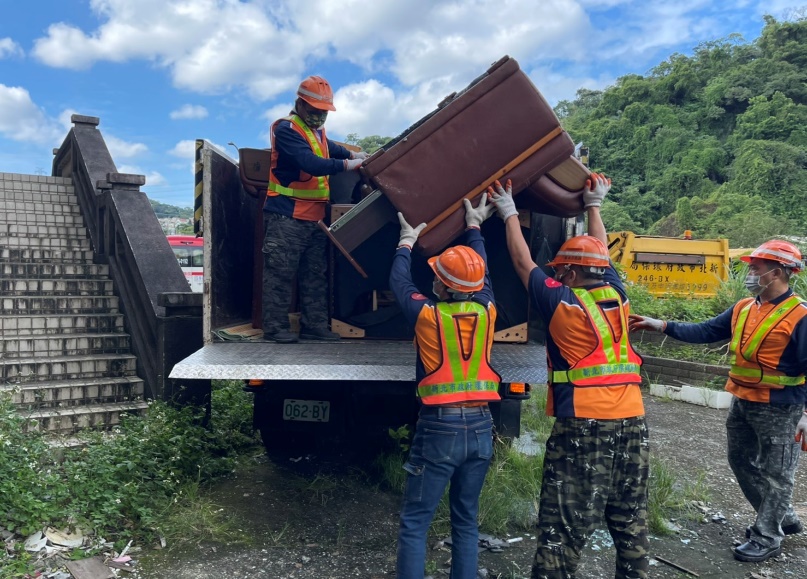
[[752, 283], [436, 287], [315, 120]]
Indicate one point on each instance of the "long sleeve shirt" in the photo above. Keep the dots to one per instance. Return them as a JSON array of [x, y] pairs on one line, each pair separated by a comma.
[[420, 309], [294, 156], [792, 360]]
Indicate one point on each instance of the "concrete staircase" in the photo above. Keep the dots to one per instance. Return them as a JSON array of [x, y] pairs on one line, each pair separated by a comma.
[[64, 355]]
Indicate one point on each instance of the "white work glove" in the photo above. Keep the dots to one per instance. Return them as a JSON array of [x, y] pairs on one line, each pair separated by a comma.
[[353, 164], [801, 431], [597, 187], [409, 234], [475, 217], [644, 323], [503, 200], [358, 155]]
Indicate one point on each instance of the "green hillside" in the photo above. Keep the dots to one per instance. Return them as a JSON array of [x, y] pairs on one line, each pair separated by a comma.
[[163, 210], [715, 142]]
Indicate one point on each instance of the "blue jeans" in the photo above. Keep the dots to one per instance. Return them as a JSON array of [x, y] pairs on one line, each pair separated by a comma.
[[451, 445]]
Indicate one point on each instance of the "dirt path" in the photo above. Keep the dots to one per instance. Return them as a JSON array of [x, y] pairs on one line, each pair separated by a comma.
[[304, 530]]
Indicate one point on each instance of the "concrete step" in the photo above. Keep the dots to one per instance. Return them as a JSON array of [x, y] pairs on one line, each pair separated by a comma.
[[53, 287], [52, 243], [55, 394], [59, 271], [33, 305], [12, 346], [53, 219], [74, 418], [27, 370], [44, 231], [43, 324], [60, 256], [39, 208]]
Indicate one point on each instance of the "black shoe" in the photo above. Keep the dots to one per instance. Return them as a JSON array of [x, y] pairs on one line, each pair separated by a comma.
[[320, 334], [282, 337], [753, 552], [792, 529]]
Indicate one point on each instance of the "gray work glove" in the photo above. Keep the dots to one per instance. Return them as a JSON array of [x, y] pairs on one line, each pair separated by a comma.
[[353, 164], [644, 323], [503, 200], [409, 234], [597, 187], [358, 155], [801, 431], [475, 217]]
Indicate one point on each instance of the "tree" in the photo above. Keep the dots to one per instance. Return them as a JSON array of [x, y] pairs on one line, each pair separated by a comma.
[[368, 144]]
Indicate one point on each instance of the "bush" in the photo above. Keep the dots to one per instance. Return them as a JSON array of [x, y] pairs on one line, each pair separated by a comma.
[[122, 483]]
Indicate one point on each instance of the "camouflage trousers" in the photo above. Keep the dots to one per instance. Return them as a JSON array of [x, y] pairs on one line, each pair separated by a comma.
[[763, 455], [292, 246], [594, 469]]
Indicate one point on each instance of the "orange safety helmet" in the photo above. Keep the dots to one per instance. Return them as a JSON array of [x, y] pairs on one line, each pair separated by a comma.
[[582, 250], [460, 268], [316, 91], [781, 252]]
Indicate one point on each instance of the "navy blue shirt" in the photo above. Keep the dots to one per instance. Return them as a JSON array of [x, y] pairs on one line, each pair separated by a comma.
[[793, 361], [295, 155]]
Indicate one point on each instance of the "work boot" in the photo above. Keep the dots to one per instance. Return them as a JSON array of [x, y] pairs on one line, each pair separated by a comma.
[[753, 552], [320, 334], [281, 337], [791, 529]]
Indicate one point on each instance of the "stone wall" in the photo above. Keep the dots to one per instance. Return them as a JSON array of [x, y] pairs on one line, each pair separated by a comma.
[[678, 372]]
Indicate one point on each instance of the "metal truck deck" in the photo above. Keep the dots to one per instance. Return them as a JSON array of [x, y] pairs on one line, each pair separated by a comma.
[[344, 360]]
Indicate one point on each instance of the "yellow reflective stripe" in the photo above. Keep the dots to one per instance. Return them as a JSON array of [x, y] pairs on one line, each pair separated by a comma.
[[299, 193], [586, 297], [739, 326], [596, 371], [447, 312], [424, 391], [768, 378], [772, 319]]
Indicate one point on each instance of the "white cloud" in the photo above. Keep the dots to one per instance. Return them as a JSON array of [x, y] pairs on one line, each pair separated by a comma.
[[189, 112], [120, 149], [9, 48], [153, 178], [187, 150], [22, 120], [555, 85]]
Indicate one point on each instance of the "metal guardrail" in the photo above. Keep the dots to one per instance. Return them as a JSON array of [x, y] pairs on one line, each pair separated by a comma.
[[162, 315]]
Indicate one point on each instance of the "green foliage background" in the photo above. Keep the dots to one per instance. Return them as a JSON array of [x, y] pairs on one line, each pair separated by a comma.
[[715, 142]]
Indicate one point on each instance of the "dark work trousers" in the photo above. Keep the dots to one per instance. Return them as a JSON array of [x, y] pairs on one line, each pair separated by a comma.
[[293, 246], [763, 455], [594, 469]]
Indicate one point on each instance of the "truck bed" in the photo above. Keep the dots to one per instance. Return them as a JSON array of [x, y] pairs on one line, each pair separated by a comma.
[[345, 360]]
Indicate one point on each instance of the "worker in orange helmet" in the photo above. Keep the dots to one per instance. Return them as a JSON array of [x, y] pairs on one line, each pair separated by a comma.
[[766, 420], [453, 440], [302, 159], [597, 458]]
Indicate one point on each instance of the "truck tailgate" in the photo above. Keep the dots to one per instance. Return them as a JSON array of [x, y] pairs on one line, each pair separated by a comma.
[[345, 360]]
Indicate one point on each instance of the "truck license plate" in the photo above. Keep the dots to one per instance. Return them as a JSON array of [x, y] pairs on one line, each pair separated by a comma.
[[306, 410]]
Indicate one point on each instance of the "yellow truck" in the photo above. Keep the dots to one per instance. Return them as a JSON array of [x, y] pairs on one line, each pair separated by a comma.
[[671, 266]]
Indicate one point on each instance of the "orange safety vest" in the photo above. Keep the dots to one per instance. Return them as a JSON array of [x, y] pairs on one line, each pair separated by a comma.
[[610, 363], [462, 376], [306, 187], [747, 370]]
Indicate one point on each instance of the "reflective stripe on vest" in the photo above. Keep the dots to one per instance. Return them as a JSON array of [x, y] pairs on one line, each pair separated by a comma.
[[462, 376], [751, 349], [617, 366], [317, 189]]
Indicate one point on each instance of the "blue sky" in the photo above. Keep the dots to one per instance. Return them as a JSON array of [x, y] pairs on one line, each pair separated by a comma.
[[162, 73]]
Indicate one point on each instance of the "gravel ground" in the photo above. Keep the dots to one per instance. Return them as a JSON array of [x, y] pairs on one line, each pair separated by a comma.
[[321, 518]]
